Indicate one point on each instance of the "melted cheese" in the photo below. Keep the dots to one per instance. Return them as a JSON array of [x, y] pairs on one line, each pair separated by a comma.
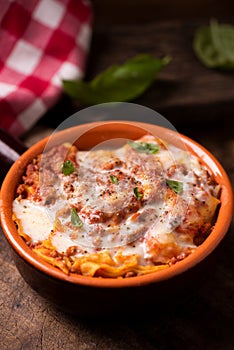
[[34, 219], [158, 226]]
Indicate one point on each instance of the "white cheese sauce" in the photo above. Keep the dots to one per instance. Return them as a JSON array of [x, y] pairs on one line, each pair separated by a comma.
[[35, 221], [103, 195]]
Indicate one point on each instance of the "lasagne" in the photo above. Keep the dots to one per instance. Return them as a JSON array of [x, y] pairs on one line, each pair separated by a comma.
[[113, 213]]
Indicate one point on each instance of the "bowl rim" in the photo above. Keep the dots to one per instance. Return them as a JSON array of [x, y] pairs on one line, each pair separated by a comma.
[[219, 231]]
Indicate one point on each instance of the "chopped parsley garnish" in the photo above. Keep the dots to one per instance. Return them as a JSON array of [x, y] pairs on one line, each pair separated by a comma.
[[137, 194], [68, 167], [176, 186], [75, 219], [114, 179], [144, 147]]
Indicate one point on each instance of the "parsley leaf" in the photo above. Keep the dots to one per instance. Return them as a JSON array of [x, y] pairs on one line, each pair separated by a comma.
[[137, 194], [68, 167], [144, 147], [75, 219], [114, 179], [176, 186]]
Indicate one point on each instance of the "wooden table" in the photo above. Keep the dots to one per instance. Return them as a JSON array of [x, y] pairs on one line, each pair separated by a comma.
[[203, 320]]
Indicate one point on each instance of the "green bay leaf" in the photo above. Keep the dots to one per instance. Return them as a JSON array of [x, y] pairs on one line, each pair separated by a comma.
[[119, 82], [214, 45]]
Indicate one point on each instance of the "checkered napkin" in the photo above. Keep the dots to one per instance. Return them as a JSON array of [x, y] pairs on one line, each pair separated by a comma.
[[41, 43]]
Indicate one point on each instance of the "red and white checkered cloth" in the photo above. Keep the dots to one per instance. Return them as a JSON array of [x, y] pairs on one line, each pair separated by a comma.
[[41, 43]]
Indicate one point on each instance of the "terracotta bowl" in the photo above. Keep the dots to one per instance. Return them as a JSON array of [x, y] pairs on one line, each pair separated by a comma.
[[89, 296]]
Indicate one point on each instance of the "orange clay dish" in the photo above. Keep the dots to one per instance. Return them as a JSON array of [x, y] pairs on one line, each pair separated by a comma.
[[115, 213]]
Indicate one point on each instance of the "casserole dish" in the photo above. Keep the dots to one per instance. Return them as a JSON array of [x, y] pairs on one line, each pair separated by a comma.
[[85, 295]]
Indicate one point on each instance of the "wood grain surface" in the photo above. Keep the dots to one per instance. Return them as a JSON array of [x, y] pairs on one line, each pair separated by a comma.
[[184, 92], [202, 320], [138, 11]]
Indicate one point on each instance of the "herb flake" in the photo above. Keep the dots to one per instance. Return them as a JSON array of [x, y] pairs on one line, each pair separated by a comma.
[[68, 167], [144, 147], [75, 219], [137, 194], [114, 179], [176, 186]]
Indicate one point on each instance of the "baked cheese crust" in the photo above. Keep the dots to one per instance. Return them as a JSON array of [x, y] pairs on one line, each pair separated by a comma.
[[115, 213]]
